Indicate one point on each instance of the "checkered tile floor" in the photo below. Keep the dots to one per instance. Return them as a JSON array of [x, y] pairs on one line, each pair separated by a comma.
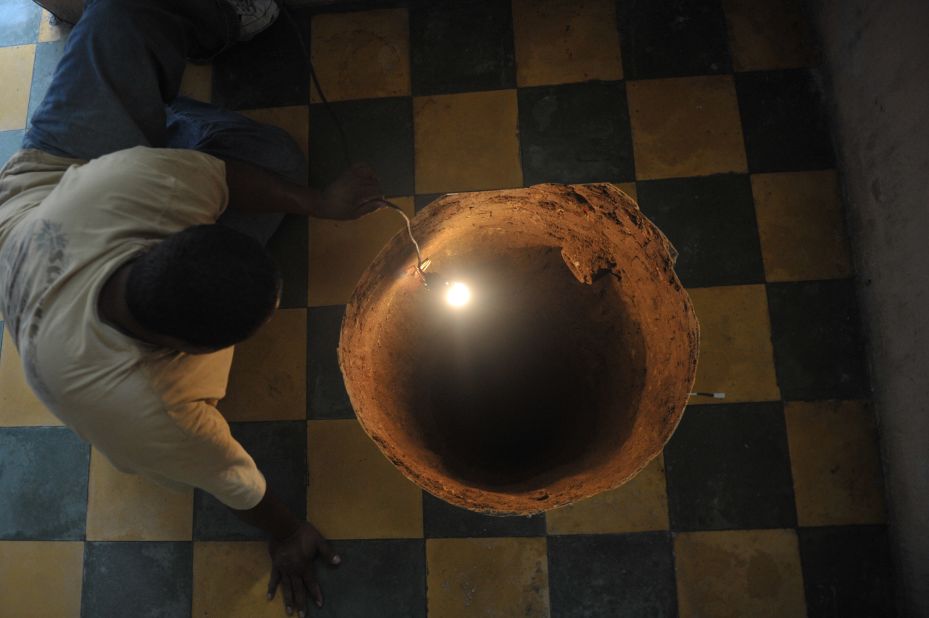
[[769, 504]]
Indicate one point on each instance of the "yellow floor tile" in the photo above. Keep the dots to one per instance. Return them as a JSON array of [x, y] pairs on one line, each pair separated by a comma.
[[41, 578], [340, 251], [686, 126], [561, 41], [628, 188], [18, 404], [48, 32], [801, 226], [466, 142], [736, 356], [835, 463], [197, 82], [487, 577], [268, 377], [231, 579], [295, 119], [16, 77], [362, 54], [127, 507], [737, 573], [768, 35], [638, 506], [354, 491]]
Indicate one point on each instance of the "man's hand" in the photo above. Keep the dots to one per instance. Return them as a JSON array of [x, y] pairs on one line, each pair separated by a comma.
[[292, 566], [353, 194]]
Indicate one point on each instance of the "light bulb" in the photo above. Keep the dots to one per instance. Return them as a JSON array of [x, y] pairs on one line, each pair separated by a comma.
[[458, 294]]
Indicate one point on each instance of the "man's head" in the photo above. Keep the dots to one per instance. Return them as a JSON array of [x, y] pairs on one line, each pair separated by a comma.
[[208, 287]]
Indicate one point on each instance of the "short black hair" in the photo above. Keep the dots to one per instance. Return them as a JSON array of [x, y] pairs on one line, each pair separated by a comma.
[[208, 285]]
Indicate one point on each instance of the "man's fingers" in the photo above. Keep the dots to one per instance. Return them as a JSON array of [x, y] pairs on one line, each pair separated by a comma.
[[312, 585], [288, 589], [299, 595], [273, 582]]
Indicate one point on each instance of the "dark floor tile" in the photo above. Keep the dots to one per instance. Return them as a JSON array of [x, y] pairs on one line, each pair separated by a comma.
[[269, 71], [847, 572], [43, 483], [421, 201], [279, 449], [784, 121], [19, 22], [461, 47], [818, 350], [711, 222], [289, 247], [575, 133], [326, 396], [383, 578], [379, 132], [672, 38], [612, 575], [151, 579], [47, 56], [728, 467], [10, 142], [443, 520]]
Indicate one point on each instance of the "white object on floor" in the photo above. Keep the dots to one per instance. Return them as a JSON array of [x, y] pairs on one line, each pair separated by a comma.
[[255, 16]]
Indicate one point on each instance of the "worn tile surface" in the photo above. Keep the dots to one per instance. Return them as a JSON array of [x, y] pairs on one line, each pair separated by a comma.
[[361, 54], [16, 77], [737, 573], [710, 113], [784, 119], [268, 377], [444, 520], [148, 578], [354, 492], [612, 575], [279, 450], [801, 226], [818, 349], [43, 482], [41, 578], [640, 505], [736, 356], [466, 142], [487, 577], [19, 407], [326, 396], [697, 28], [728, 467], [575, 133], [768, 35], [847, 571], [835, 462], [127, 507], [685, 127], [340, 251], [564, 41], [711, 222], [461, 47]]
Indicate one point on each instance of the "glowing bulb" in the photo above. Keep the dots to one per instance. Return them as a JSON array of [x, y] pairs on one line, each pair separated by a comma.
[[458, 294]]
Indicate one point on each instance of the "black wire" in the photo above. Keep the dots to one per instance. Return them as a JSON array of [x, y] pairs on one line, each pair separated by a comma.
[[318, 86]]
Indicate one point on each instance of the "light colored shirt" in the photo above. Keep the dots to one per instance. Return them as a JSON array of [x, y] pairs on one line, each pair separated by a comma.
[[65, 226]]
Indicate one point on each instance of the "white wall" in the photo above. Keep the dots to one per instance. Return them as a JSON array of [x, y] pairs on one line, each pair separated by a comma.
[[876, 55]]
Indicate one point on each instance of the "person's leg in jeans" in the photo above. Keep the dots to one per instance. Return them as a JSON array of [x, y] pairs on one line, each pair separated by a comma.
[[123, 62], [228, 135]]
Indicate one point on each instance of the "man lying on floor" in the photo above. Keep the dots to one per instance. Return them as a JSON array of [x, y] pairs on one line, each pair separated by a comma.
[[132, 226]]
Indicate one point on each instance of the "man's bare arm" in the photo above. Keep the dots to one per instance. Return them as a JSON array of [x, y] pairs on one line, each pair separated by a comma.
[[294, 546], [252, 189]]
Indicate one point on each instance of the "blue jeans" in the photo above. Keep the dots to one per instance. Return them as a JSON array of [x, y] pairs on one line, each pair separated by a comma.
[[117, 83]]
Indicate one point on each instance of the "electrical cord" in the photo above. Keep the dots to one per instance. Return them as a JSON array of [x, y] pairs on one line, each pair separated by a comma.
[[344, 140]]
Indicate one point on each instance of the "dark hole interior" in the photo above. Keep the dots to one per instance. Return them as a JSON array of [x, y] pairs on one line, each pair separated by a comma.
[[531, 377]]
